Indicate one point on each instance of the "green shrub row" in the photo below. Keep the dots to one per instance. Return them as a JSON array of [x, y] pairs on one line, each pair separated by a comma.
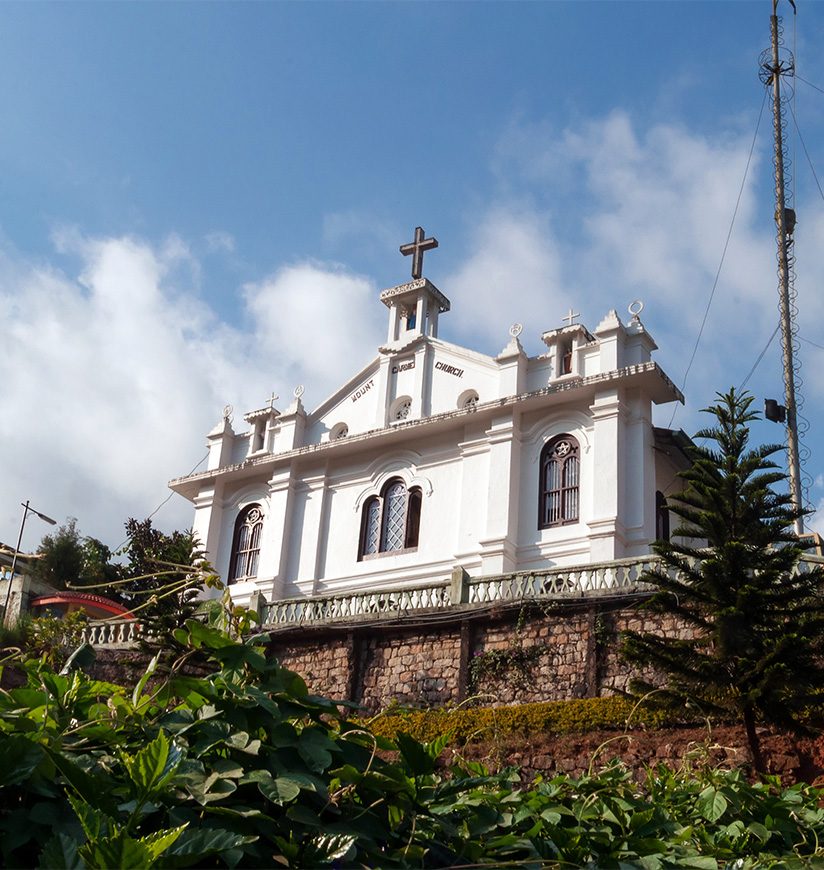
[[467, 724]]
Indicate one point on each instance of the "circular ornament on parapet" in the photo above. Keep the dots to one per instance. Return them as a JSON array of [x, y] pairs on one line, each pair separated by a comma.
[[516, 329], [228, 410], [635, 308], [299, 391]]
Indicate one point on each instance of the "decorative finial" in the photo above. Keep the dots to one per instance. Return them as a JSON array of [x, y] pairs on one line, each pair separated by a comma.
[[635, 308], [298, 391], [516, 329], [227, 413], [416, 249], [570, 317], [272, 399]]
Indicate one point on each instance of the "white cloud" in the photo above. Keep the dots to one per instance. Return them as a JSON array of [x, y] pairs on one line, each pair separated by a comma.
[[512, 275], [220, 241], [316, 323], [112, 379], [621, 213]]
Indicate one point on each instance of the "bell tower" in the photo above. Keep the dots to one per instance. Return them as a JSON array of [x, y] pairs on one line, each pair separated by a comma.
[[414, 307]]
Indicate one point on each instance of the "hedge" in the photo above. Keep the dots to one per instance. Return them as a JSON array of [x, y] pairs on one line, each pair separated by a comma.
[[467, 724]]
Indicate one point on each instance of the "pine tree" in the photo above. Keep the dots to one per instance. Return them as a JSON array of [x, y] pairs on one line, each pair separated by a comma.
[[732, 577]]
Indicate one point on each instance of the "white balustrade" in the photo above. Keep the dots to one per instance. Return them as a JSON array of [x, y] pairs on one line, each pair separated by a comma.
[[118, 633], [578, 581]]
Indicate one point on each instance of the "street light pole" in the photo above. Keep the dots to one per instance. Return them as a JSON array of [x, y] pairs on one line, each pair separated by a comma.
[[26, 511]]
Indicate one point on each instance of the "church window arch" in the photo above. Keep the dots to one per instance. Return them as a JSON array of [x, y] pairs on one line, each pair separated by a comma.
[[243, 564], [390, 522], [559, 484]]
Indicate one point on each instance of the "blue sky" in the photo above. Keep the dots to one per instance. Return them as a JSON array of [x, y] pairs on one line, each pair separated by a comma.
[[200, 202]]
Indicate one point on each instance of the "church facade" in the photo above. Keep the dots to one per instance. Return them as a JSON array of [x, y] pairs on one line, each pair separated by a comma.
[[435, 456]]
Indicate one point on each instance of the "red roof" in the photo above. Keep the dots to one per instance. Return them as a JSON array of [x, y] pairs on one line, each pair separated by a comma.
[[97, 602]]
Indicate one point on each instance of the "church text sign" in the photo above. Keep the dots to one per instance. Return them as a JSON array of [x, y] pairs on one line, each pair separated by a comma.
[[363, 390], [404, 366], [450, 370]]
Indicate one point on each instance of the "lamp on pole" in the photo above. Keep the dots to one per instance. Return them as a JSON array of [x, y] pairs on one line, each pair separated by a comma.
[[26, 511]]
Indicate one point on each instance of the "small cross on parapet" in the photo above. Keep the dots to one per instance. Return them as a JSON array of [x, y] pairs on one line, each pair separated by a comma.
[[416, 249], [571, 317]]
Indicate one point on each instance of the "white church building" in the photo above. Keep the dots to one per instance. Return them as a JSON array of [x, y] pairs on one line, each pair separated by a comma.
[[435, 456]]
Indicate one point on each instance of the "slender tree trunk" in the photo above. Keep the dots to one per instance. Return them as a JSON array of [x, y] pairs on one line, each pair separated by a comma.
[[753, 739]]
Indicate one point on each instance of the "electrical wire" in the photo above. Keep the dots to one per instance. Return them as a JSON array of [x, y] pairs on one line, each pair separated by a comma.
[[806, 152], [819, 346], [760, 357], [723, 255], [165, 500], [815, 87]]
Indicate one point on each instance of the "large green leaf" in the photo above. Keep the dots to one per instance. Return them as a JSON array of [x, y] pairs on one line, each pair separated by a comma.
[[158, 842], [418, 761], [325, 849], [280, 791], [95, 823], [19, 758], [61, 853], [316, 749], [118, 851], [205, 635], [711, 804], [154, 765], [194, 844], [141, 683], [93, 789]]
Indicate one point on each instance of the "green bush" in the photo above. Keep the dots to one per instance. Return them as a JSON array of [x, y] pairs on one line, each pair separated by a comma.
[[466, 724], [240, 767]]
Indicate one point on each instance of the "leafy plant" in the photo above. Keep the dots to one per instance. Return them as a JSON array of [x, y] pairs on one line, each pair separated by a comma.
[[755, 618], [239, 766]]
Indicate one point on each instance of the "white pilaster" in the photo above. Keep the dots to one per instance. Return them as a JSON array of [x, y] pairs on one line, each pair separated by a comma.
[[498, 546], [606, 532], [279, 530]]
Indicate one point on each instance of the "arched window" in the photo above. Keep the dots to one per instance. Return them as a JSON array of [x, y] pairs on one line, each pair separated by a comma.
[[558, 489], [246, 544], [391, 520]]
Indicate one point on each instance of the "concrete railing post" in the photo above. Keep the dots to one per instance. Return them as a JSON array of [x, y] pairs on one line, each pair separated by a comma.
[[459, 588], [257, 604]]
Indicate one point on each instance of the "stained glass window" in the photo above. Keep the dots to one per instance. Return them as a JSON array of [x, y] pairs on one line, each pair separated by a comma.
[[559, 490]]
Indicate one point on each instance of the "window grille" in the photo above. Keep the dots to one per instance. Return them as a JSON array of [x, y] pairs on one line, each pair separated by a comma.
[[391, 520], [559, 488], [246, 544]]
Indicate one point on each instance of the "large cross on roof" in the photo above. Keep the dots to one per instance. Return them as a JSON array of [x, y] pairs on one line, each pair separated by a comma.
[[416, 249]]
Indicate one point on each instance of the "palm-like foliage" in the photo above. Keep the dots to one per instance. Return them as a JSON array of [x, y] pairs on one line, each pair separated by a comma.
[[753, 639]]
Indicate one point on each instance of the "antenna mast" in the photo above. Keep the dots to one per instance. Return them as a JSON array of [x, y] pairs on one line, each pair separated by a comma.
[[772, 68]]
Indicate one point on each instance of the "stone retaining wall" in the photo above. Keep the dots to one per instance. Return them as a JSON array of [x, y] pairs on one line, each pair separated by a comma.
[[506, 655]]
